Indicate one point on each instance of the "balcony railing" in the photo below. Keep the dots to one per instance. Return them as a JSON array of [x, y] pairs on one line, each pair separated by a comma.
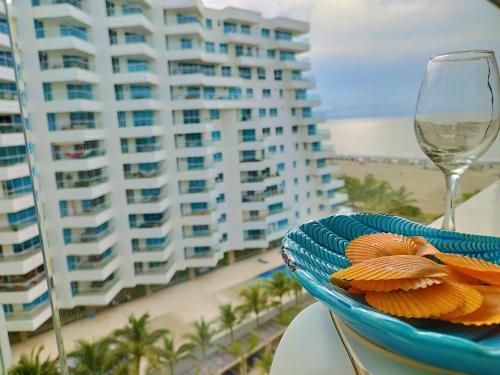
[[91, 236], [8, 95], [21, 286], [92, 210], [191, 143], [204, 233], [195, 167], [254, 237], [76, 3], [17, 192], [149, 223], [196, 96], [85, 153], [63, 126], [47, 65], [144, 174], [7, 128], [196, 189], [93, 265], [16, 257], [86, 290], [142, 148], [158, 270], [27, 314], [151, 249], [146, 199], [55, 31], [8, 160], [14, 227], [82, 183]]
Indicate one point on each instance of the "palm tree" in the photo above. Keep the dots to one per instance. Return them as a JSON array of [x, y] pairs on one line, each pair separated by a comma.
[[92, 358], [241, 349], [227, 318], [202, 336], [34, 365], [254, 300], [296, 289], [135, 342], [265, 363], [277, 287], [172, 356]]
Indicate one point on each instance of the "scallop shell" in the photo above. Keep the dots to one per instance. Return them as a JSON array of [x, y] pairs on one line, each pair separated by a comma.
[[477, 268], [379, 244], [473, 299], [489, 311], [398, 284], [434, 300], [459, 277], [425, 248], [391, 267]]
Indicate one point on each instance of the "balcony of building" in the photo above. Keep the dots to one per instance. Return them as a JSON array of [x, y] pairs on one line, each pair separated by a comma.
[[93, 267], [256, 176], [57, 35], [71, 97], [187, 22], [278, 229], [81, 155], [13, 162], [8, 97], [23, 288], [210, 97], [90, 240], [304, 99], [145, 175], [197, 189], [194, 48], [18, 227], [97, 292], [147, 225], [129, 16], [199, 166], [152, 249], [27, 316], [10, 127], [62, 10], [86, 212], [316, 150], [200, 74], [19, 259], [324, 166], [144, 200], [65, 66], [202, 256], [143, 149], [131, 41], [154, 272], [16, 194], [137, 96], [81, 179], [255, 238], [134, 69], [140, 123], [193, 121], [197, 209]]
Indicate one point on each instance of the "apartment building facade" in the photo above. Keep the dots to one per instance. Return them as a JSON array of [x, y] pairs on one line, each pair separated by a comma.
[[167, 135]]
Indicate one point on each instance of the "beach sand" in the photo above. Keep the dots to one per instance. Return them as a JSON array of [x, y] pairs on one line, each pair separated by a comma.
[[427, 185]]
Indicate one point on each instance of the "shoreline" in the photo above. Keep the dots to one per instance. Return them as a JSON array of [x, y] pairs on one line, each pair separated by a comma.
[[425, 181]]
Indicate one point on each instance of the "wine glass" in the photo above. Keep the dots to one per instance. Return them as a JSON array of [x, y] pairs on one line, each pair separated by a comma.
[[457, 116]]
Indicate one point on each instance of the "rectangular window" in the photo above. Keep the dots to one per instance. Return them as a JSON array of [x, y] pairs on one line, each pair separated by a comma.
[[218, 156], [226, 71], [273, 112], [283, 35], [143, 118], [261, 73], [214, 114], [76, 31], [248, 135], [186, 18], [131, 9], [208, 24], [245, 72], [47, 91], [279, 130], [74, 61], [122, 119], [39, 30], [119, 92], [140, 92], [230, 27], [278, 75], [223, 48], [51, 121], [249, 93], [216, 135], [191, 116], [209, 47], [134, 65], [265, 33], [134, 37], [245, 114], [287, 56], [262, 112], [271, 53], [266, 93], [79, 91], [113, 37], [245, 29], [115, 63], [186, 43]]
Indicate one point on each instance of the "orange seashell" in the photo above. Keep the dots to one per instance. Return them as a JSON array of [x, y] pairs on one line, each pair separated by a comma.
[[379, 244], [398, 284], [344, 284], [473, 299], [489, 311], [477, 268], [355, 291], [459, 277], [391, 267], [434, 300], [425, 248]]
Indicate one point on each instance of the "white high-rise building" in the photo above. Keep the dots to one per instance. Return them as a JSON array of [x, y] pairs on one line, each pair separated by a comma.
[[167, 134]]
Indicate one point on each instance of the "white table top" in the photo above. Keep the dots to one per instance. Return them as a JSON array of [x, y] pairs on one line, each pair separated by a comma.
[[312, 345]]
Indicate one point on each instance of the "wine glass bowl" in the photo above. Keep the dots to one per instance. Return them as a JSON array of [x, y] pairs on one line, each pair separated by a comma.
[[457, 116]]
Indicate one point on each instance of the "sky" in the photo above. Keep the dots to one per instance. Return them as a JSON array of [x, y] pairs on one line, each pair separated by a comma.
[[368, 56]]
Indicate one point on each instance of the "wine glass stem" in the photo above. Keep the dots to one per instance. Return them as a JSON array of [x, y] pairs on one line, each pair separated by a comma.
[[451, 192]]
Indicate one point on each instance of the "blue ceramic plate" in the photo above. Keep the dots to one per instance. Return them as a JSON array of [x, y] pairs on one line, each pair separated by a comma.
[[315, 250]]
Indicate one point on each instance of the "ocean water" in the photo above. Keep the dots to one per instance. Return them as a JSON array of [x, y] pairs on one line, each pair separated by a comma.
[[383, 137]]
